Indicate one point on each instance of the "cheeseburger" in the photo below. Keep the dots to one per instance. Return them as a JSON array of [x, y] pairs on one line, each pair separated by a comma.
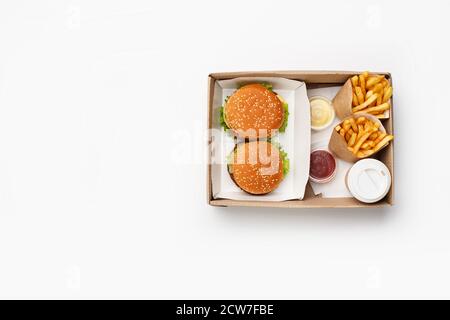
[[254, 111], [258, 167]]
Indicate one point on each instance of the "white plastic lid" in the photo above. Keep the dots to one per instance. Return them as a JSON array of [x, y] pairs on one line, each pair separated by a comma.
[[369, 180]]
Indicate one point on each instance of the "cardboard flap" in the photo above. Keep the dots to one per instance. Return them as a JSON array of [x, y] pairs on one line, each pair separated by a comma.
[[342, 102]]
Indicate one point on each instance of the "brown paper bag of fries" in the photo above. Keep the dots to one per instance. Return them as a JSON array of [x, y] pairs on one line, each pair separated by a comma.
[[358, 136], [342, 102], [364, 93]]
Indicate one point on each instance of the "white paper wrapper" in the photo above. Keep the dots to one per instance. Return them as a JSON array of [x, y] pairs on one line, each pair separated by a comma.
[[319, 139], [295, 141]]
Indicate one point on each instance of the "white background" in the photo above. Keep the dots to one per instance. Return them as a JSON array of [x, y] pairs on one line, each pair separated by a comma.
[[102, 185]]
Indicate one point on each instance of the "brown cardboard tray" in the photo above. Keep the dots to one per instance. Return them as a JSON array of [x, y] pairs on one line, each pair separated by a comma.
[[311, 78]]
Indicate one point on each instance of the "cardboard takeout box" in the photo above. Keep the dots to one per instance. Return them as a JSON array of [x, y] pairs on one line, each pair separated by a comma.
[[313, 79]]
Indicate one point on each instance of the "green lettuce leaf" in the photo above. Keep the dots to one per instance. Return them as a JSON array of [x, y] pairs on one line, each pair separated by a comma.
[[285, 160], [284, 157], [286, 116], [267, 85], [223, 124]]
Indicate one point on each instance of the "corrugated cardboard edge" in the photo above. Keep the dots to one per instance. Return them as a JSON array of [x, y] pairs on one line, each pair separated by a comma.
[[306, 76], [211, 82], [316, 77], [389, 125], [313, 203]]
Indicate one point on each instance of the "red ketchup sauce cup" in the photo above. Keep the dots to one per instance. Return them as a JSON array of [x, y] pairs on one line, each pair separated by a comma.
[[322, 167]]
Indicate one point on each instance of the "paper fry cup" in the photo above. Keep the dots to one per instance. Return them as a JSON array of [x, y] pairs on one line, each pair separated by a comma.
[[338, 145], [342, 102]]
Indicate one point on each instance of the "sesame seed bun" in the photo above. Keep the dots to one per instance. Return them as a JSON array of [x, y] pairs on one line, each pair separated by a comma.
[[254, 111], [256, 167]]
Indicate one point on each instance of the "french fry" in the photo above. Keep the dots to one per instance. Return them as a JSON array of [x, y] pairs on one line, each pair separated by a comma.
[[353, 125], [359, 143], [360, 127], [387, 94], [378, 88], [365, 104], [368, 94], [342, 132], [367, 126], [354, 100], [347, 136], [346, 126], [355, 81], [381, 107], [379, 100], [338, 128], [364, 153], [365, 145], [381, 144], [352, 139], [360, 131], [380, 137], [346, 123], [373, 136], [360, 120], [359, 95], [362, 83], [372, 81]]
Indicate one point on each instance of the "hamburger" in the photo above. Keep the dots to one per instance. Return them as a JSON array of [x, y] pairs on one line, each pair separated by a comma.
[[258, 167], [254, 111]]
